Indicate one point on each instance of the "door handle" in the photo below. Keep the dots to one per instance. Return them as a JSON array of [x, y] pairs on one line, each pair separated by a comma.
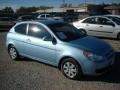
[[28, 40], [101, 26]]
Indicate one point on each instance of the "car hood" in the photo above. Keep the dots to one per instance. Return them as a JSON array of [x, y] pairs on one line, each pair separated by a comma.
[[91, 44]]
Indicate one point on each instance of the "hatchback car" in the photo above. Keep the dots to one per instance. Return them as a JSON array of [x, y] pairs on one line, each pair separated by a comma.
[[62, 45], [49, 17], [102, 26]]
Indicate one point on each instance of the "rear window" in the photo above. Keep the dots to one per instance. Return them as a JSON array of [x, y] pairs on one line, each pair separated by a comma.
[[21, 28]]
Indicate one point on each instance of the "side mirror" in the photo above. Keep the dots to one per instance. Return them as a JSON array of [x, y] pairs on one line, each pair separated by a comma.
[[54, 41], [50, 38], [111, 24]]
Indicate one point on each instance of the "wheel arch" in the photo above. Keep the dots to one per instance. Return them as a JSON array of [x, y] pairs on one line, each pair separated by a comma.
[[65, 57], [10, 44]]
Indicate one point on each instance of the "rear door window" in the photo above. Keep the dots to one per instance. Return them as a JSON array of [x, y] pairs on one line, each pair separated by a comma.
[[104, 21]]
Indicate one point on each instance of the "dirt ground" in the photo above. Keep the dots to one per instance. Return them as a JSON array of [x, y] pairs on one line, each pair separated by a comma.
[[32, 75]]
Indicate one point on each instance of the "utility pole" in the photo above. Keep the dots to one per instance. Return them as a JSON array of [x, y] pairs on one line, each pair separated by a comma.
[[63, 5], [85, 6]]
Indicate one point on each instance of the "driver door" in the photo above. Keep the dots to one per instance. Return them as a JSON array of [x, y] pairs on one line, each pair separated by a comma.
[[38, 48]]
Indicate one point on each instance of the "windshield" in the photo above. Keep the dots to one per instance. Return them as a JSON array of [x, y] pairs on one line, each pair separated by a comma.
[[115, 19], [66, 32]]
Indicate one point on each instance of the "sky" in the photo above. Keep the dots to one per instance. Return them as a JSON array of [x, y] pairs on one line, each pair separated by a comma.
[[55, 3]]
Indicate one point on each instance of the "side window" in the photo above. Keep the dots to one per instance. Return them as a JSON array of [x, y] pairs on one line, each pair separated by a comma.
[[48, 16], [104, 21], [90, 21], [42, 16], [37, 31], [21, 28]]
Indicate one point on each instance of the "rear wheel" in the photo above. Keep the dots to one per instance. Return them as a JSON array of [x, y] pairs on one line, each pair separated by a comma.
[[71, 69], [13, 52], [118, 37]]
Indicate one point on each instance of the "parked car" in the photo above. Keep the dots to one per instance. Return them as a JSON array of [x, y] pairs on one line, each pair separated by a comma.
[[49, 17], [58, 16], [62, 45], [99, 26], [70, 17], [7, 22], [26, 18]]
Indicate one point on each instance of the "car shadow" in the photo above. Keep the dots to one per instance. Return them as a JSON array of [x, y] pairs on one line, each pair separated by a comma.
[[111, 77], [25, 59]]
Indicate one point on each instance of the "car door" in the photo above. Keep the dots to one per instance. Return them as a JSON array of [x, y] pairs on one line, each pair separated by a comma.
[[20, 37], [39, 48], [90, 25], [106, 27]]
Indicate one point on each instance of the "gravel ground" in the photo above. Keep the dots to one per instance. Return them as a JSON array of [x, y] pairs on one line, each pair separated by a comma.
[[32, 75]]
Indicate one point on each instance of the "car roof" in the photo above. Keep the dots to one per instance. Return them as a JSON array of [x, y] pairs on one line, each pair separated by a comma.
[[103, 16], [46, 22], [113, 15]]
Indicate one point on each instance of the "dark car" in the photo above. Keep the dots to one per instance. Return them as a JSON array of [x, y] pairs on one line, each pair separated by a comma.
[[7, 22], [70, 17], [26, 18]]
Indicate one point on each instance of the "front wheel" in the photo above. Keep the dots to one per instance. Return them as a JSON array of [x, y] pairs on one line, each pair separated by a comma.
[[71, 69]]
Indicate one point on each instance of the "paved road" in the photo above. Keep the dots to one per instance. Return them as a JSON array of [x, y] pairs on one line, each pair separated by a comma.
[[31, 75]]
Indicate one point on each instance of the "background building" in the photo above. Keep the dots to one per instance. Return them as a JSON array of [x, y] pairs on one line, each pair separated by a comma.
[[113, 9]]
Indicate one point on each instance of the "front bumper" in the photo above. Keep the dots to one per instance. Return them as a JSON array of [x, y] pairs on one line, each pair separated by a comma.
[[94, 68]]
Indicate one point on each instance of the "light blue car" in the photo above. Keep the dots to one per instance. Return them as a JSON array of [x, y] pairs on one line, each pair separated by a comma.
[[62, 45]]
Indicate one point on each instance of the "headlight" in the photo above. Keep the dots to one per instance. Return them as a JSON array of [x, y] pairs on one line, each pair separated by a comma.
[[92, 57]]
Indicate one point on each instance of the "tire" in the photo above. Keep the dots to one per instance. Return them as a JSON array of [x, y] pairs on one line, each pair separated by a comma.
[[118, 36], [71, 69], [13, 52]]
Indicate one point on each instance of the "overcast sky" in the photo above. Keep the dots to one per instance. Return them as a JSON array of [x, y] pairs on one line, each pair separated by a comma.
[[56, 3]]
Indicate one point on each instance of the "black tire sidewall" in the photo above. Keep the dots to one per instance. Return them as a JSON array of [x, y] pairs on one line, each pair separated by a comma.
[[79, 72]]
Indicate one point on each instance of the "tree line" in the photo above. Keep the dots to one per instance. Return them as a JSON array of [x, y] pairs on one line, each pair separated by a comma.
[[27, 10], [23, 10]]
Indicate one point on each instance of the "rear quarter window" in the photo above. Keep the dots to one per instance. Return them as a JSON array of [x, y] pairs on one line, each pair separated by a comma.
[[21, 28]]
